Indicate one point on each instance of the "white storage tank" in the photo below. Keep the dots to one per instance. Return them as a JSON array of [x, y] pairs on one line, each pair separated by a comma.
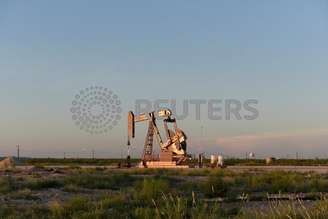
[[270, 160], [220, 161], [214, 159]]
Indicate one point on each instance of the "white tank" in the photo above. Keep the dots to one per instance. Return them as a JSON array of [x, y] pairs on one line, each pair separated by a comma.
[[214, 159], [220, 161], [269, 160]]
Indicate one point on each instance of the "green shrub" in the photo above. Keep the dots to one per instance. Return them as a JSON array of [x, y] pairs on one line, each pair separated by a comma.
[[278, 181], [6, 212], [215, 186], [39, 184], [74, 208], [113, 201], [23, 194], [145, 213], [150, 189], [99, 181], [71, 188], [7, 184], [176, 207]]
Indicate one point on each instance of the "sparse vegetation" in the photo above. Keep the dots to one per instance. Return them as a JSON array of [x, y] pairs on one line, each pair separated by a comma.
[[99, 181], [194, 162], [146, 193]]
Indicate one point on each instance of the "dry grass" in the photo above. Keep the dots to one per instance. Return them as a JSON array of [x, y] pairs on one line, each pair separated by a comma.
[[158, 194]]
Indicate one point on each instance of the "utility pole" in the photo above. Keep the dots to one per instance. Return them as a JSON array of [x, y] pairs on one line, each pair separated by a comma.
[[93, 154], [18, 155], [64, 155], [201, 136]]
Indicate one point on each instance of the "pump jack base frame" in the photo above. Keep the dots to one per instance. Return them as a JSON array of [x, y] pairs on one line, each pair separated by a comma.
[[166, 161], [161, 165]]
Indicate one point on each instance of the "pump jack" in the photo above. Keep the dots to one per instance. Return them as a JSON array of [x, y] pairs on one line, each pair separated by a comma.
[[175, 146]]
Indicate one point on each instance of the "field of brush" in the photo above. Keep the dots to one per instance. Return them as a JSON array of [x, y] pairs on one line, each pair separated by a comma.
[[230, 162], [72, 192]]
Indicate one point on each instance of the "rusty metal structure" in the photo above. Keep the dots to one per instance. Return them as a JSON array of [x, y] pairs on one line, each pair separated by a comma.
[[173, 149]]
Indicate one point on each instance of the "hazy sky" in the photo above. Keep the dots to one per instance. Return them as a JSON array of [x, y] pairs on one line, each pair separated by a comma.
[[272, 51]]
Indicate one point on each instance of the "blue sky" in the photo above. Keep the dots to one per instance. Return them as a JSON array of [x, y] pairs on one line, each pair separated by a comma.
[[273, 51]]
